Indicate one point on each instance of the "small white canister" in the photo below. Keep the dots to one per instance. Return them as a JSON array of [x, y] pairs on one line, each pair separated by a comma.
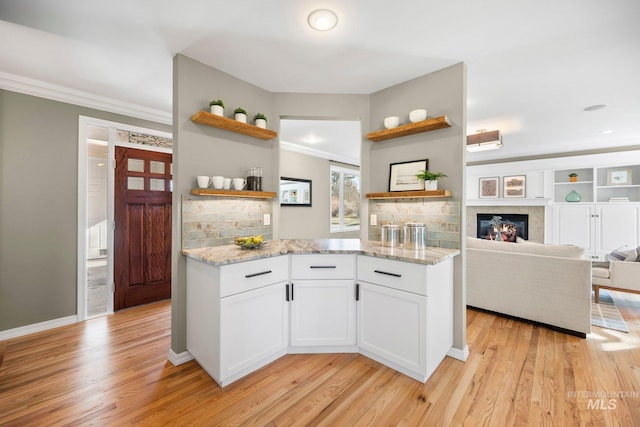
[[415, 235]]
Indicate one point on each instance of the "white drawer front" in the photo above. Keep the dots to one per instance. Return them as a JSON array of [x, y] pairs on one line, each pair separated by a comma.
[[244, 276], [405, 276], [323, 266]]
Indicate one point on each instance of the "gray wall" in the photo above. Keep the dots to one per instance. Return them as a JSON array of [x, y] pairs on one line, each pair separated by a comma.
[[442, 92], [301, 222], [38, 206]]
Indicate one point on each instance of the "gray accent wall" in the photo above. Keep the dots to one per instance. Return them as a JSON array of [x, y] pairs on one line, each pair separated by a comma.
[[441, 92], [39, 205]]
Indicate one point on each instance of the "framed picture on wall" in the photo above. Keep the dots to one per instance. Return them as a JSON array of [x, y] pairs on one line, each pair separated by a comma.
[[402, 176], [489, 188], [514, 186], [619, 177]]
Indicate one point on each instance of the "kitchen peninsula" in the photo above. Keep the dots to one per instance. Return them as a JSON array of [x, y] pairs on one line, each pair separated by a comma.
[[246, 308]]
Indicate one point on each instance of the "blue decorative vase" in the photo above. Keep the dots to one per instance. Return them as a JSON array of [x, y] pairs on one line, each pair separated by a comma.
[[573, 196]]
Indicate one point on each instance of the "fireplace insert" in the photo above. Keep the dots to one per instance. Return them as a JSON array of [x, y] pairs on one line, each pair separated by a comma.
[[512, 226]]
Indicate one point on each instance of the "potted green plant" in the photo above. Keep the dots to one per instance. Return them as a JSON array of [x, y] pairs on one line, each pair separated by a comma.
[[430, 179], [573, 177], [240, 114], [217, 107], [260, 120]]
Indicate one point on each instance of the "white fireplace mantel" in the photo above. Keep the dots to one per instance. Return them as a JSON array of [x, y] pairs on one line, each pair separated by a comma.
[[538, 201]]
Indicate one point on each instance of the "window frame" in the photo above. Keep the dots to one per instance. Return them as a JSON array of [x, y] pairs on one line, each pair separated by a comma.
[[341, 228]]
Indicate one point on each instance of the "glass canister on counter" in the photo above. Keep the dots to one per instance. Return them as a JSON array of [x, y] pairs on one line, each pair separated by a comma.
[[254, 179]]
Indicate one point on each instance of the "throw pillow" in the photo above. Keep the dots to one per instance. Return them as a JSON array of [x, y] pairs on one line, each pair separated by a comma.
[[623, 253]]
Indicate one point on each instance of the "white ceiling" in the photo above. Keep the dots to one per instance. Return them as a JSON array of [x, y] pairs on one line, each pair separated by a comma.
[[532, 66]]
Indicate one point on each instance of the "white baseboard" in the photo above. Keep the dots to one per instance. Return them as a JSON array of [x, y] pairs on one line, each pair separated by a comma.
[[456, 353], [178, 359], [37, 327]]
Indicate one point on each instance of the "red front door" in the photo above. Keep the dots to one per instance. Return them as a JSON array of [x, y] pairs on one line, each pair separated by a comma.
[[142, 271]]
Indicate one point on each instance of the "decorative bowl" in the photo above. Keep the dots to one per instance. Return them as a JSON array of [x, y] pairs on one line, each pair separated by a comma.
[[391, 122], [250, 242], [418, 115]]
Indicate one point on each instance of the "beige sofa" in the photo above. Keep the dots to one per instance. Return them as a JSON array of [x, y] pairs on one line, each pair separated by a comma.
[[549, 284], [620, 276]]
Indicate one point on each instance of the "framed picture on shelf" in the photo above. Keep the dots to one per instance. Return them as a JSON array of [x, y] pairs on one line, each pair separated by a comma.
[[402, 176], [514, 186], [619, 177], [489, 188]]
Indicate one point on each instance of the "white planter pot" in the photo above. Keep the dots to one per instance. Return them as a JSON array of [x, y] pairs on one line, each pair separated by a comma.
[[261, 123], [217, 110], [241, 117], [431, 185]]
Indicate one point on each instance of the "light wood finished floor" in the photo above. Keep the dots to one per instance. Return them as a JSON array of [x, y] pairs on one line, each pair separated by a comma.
[[114, 371]]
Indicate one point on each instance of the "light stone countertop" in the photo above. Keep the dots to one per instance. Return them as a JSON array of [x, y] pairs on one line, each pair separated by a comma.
[[231, 254]]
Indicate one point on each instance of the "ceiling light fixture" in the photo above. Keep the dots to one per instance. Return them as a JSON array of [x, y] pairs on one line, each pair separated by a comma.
[[322, 19], [484, 140]]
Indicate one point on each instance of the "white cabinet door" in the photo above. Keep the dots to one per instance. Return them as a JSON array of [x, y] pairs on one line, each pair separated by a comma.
[[392, 326], [323, 313], [617, 226], [253, 330], [574, 224]]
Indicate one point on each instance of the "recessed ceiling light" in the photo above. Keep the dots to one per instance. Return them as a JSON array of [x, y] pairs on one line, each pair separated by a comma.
[[595, 107], [607, 132], [322, 19]]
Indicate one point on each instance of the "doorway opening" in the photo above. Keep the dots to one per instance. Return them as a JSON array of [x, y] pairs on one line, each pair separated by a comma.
[[96, 205]]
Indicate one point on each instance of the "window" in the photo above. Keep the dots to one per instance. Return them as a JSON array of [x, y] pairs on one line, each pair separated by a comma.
[[345, 199]]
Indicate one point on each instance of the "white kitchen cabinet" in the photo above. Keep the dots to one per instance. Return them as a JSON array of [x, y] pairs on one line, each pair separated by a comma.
[[405, 314], [598, 228], [237, 315], [322, 306]]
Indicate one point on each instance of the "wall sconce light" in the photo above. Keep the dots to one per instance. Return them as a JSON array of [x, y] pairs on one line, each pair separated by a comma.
[[484, 140], [322, 19]]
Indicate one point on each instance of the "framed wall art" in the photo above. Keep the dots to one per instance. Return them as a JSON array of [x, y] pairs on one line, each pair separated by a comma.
[[514, 186], [619, 177], [489, 188], [402, 176]]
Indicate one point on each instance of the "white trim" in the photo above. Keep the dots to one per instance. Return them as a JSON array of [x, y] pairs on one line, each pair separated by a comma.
[[509, 202], [46, 90], [456, 353], [178, 359], [37, 327]]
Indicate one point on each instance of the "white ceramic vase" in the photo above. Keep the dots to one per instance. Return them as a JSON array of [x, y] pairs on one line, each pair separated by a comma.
[[261, 123], [217, 110], [241, 117]]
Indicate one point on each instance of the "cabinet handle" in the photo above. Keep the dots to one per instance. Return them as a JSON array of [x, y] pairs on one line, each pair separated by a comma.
[[287, 292], [291, 291], [388, 274], [257, 274], [357, 291], [322, 266]]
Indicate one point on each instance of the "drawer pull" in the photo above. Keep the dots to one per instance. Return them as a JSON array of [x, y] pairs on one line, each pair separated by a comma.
[[322, 266], [388, 274], [257, 274]]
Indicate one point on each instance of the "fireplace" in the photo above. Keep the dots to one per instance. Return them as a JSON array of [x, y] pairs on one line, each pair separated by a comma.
[[512, 226]]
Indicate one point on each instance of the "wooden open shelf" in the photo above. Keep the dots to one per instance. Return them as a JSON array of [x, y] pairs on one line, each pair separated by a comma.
[[205, 118], [410, 129], [233, 193], [418, 194]]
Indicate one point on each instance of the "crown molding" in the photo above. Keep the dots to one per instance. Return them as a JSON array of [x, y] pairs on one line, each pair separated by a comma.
[[46, 90], [289, 146]]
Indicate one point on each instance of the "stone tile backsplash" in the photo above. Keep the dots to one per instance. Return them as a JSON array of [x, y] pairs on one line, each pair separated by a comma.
[[442, 219], [216, 221]]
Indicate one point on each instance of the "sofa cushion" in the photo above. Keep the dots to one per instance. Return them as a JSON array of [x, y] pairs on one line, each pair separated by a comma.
[[600, 272], [562, 251], [623, 253]]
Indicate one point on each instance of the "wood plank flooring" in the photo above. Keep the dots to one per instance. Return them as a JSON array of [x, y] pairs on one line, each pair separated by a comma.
[[113, 371]]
